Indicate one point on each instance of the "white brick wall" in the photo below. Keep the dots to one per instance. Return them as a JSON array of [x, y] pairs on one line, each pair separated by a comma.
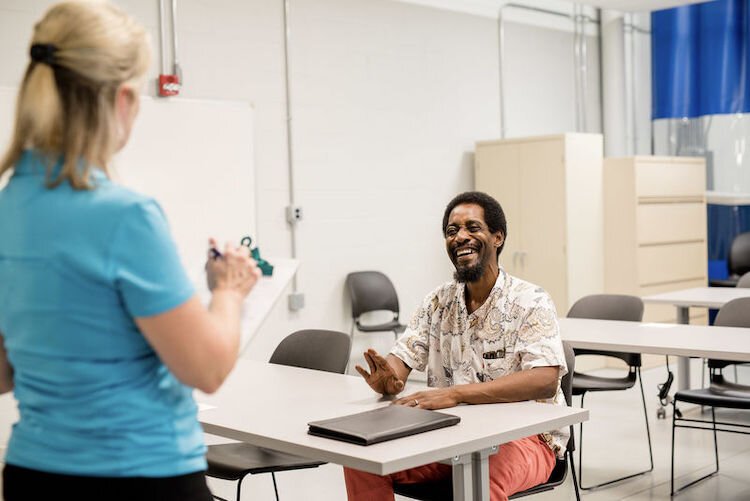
[[388, 99]]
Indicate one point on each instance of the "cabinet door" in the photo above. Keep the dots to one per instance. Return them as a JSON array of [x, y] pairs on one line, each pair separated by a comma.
[[497, 174], [542, 221]]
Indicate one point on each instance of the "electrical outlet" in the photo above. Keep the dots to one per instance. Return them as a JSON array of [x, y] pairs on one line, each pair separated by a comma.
[[296, 301], [294, 214]]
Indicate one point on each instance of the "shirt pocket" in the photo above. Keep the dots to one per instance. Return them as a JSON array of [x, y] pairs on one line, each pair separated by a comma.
[[497, 359]]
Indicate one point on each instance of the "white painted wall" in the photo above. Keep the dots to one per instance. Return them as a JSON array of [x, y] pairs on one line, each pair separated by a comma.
[[388, 99]]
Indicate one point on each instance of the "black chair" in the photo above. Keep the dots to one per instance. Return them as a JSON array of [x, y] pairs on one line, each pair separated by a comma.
[[442, 490], [738, 261], [720, 393], [310, 349], [609, 307], [744, 281], [373, 291]]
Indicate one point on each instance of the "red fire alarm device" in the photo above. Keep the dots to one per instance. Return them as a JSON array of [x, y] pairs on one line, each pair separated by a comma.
[[169, 85]]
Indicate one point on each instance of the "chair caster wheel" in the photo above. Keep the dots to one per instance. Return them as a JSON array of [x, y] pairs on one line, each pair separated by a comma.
[[661, 413]]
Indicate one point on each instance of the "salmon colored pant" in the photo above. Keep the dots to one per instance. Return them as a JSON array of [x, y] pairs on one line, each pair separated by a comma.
[[515, 467]]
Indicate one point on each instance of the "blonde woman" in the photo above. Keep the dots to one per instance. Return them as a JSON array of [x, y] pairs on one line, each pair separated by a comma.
[[103, 337]]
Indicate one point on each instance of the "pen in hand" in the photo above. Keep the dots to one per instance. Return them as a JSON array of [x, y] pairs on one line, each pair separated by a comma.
[[215, 253]]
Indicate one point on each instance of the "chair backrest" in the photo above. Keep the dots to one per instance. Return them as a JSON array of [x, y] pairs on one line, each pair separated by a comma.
[[314, 349], [744, 281], [567, 384], [735, 313], [560, 471], [371, 291], [610, 307], [739, 254]]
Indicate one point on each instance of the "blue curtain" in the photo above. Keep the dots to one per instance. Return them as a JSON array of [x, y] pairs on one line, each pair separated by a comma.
[[700, 65], [701, 59]]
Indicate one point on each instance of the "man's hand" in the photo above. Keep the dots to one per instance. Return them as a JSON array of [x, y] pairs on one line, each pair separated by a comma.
[[381, 378], [440, 398]]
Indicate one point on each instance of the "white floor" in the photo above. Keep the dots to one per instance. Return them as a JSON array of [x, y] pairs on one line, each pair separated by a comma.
[[615, 445]]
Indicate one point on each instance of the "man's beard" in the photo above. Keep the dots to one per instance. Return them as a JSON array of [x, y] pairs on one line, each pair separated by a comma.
[[469, 274]]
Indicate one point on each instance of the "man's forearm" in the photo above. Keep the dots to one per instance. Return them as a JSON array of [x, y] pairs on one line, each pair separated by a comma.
[[534, 384]]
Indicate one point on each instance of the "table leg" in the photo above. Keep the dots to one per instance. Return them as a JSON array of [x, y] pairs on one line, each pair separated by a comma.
[[683, 363], [481, 471], [462, 477]]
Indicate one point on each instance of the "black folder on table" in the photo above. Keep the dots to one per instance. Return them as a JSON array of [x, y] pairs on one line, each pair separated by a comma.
[[379, 425]]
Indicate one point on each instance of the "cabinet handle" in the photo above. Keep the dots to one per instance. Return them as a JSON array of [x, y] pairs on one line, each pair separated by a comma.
[[523, 260]]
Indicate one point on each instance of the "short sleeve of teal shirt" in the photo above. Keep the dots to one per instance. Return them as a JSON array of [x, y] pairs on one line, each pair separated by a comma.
[[145, 264]]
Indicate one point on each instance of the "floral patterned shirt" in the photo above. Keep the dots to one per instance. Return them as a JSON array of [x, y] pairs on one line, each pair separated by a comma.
[[514, 330]]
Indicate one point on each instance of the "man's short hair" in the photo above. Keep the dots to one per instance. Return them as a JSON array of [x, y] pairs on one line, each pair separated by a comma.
[[493, 212]]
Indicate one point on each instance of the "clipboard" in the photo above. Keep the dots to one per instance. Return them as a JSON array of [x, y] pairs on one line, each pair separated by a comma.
[[381, 424]]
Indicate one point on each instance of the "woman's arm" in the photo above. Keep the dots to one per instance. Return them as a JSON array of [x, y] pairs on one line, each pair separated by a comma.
[[6, 370], [199, 345]]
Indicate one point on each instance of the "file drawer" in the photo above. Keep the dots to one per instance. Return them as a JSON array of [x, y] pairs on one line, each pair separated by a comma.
[[664, 179], [671, 222], [671, 263]]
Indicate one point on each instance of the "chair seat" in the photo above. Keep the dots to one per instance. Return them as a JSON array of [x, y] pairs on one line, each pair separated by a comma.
[[393, 325], [728, 395], [442, 490], [439, 490], [583, 383], [234, 461]]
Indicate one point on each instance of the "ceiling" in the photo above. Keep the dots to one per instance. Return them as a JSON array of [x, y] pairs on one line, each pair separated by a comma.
[[489, 8], [637, 5]]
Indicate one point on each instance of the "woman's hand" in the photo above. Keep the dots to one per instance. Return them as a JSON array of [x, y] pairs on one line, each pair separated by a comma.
[[382, 377], [440, 398], [234, 270]]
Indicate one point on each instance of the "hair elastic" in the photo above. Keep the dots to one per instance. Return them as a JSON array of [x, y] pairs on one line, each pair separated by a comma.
[[43, 53]]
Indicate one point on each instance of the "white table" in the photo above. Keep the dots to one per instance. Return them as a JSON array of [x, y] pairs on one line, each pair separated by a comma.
[[731, 343], [270, 406], [699, 297]]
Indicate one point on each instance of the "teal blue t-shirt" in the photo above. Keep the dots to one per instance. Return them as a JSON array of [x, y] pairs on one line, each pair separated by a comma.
[[76, 267]]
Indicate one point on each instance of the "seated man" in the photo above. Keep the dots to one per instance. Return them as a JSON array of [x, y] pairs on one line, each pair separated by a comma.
[[484, 337]]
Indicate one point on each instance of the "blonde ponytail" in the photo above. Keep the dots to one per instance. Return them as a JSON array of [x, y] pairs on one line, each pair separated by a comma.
[[65, 106]]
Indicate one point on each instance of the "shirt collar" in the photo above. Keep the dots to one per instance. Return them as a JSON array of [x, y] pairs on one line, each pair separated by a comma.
[[34, 163], [496, 290]]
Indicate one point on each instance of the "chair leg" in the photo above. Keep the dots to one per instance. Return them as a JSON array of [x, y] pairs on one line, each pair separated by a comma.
[[671, 476], [674, 491], [573, 474], [626, 477], [275, 488], [239, 488], [580, 447], [645, 416], [716, 443]]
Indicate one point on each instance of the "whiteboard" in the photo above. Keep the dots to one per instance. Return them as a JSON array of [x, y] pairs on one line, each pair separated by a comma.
[[196, 158]]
